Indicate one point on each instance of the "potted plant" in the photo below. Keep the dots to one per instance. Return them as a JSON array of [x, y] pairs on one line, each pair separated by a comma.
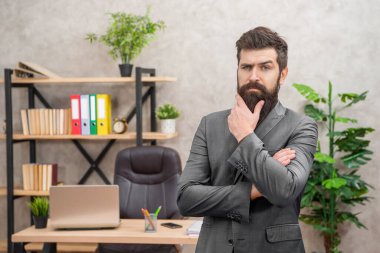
[[334, 183], [40, 210], [126, 36], [167, 115]]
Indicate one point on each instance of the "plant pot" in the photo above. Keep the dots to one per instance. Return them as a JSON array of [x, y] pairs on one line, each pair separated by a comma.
[[126, 69], [40, 221], [168, 126]]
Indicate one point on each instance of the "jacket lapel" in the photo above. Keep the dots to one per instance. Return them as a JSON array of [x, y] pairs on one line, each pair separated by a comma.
[[274, 116]]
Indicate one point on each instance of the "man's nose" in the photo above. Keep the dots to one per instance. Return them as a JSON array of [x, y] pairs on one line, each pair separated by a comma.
[[253, 77]]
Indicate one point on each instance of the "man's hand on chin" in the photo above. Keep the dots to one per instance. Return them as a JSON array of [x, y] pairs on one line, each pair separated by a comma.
[[242, 121]]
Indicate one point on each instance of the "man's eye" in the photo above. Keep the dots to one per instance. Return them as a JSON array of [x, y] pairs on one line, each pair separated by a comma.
[[265, 67], [246, 67]]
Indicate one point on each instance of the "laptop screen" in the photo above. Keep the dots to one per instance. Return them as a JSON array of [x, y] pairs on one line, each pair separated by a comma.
[[84, 206]]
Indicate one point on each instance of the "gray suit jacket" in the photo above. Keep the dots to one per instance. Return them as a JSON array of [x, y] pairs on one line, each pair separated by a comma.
[[218, 176]]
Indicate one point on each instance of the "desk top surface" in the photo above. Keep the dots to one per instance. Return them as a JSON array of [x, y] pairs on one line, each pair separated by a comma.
[[129, 231]]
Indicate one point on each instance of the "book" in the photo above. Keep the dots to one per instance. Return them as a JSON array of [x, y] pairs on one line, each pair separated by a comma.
[[30, 68], [24, 73], [25, 177], [194, 228], [42, 121], [24, 122]]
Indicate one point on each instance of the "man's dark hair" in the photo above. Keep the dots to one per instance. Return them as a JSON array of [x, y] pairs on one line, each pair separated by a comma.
[[263, 37]]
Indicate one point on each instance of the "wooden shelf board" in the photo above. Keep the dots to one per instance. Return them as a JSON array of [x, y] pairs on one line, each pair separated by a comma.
[[125, 136], [91, 80], [64, 247], [61, 247], [3, 246], [21, 192]]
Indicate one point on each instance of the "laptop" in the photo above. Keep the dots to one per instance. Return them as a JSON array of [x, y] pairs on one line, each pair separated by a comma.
[[84, 206]]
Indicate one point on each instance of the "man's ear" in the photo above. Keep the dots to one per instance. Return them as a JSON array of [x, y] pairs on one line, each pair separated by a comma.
[[284, 73]]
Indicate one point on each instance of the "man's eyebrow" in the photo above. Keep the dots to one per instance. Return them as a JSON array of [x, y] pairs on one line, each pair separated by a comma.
[[260, 63], [266, 62]]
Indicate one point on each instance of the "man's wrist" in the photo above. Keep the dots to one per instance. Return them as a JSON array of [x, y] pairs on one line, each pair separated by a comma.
[[243, 136]]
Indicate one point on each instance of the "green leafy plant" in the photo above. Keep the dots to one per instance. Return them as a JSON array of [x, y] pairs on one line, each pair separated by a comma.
[[39, 206], [127, 34], [334, 183], [167, 111]]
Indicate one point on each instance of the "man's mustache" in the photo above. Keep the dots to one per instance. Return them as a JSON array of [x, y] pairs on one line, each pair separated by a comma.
[[254, 85]]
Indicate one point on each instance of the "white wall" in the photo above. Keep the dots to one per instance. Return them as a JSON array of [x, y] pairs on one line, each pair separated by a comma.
[[328, 40]]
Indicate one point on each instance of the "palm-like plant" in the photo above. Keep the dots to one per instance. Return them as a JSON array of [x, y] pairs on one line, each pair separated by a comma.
[[333, 182]]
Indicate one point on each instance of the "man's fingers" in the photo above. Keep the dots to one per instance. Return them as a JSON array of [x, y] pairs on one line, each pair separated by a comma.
[[284, 152], [286, 162], [258, 107], [284, 156]]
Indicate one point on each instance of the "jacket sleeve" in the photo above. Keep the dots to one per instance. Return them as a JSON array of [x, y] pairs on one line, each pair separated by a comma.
[[198, 197], [279, 184]]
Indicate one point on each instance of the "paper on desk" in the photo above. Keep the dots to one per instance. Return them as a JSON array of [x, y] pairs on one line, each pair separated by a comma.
[[195, 228]]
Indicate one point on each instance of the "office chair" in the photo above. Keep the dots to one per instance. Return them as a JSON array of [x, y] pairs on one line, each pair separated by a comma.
[[147, 177]]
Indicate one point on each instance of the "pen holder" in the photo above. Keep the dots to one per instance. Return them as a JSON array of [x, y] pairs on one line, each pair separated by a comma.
[[150, 223]]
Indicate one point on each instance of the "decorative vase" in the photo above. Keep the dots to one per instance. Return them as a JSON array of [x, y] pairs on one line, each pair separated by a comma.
[[168, 126], [126, 69], [40, 221]]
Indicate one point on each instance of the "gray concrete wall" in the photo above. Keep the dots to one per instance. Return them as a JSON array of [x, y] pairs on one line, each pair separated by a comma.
[[328, 40]]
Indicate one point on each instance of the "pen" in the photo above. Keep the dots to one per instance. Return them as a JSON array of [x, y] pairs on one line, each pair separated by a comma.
[[157, 211], [147, 215]]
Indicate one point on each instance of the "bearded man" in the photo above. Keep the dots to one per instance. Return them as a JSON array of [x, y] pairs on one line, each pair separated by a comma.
[[248, 166]]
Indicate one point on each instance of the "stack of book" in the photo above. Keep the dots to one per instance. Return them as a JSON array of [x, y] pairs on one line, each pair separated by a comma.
[[46, 121], [39, 177]]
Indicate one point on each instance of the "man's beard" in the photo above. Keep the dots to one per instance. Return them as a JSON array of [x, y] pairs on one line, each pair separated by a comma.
[[251, 98]]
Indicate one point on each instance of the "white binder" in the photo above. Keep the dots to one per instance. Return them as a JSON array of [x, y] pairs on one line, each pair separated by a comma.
[[85, 114]]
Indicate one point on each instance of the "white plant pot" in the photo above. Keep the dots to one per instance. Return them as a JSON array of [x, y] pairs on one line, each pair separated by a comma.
[[168, 126]]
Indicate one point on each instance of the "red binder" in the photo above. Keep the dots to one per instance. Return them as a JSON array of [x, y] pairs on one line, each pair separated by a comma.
[[75, 114]]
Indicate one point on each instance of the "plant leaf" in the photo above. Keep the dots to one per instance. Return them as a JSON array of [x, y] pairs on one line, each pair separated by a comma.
[[345, 120], [352, 97], [309, 93], [346, 216], [350, 139], [315, 113], [334, 183], [357, 159], [324, 158]]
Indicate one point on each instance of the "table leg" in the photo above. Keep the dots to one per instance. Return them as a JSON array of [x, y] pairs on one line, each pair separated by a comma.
[[50, 247], [19, 248]]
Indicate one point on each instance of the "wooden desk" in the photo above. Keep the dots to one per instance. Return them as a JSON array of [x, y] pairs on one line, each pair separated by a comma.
[[129, 231]]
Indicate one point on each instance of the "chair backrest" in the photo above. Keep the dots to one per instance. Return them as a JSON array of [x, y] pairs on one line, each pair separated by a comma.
[[147, 177]]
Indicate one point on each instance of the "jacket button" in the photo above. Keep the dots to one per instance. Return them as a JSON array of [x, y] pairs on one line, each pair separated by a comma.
[[230, 242]]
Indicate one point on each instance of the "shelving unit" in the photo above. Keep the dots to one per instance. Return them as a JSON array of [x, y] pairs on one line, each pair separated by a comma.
[[31, 84]]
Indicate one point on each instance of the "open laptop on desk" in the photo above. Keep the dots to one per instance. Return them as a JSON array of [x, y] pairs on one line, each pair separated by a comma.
[[84, 206]]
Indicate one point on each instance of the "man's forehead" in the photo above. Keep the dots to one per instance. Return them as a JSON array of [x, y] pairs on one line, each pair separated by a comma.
[[256, 56]]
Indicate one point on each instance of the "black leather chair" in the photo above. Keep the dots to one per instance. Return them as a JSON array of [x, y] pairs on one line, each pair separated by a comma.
[[147, 177]]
